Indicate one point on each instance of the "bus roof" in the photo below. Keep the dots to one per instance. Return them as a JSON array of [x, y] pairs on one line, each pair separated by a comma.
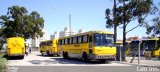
[[49, 40], [150, 39], [89, 32]]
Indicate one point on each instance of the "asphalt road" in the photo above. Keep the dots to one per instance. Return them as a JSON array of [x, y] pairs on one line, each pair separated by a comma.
[[37, 63]]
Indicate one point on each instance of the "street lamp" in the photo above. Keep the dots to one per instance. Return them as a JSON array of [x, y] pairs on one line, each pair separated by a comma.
[[69, 20], [70, 24]]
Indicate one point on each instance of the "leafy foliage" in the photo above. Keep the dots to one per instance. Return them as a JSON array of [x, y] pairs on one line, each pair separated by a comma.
[[154, 30], [18, 22]]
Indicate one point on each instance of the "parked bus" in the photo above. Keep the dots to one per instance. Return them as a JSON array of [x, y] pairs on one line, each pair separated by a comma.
[[49, 47], [16, 47], [92, 45], [153, 46]]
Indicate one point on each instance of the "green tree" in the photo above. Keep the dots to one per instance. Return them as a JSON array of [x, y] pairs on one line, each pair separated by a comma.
[[19, 23], [112, 21], [128, 11], [154, 29]]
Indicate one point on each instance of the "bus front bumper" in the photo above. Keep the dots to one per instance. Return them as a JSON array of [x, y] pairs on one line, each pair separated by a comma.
[[100, 57], [15, 54]]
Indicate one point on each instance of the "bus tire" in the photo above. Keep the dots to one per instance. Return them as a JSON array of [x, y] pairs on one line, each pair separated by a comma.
[[103, 61], [48, 53], [65, 55], [41, 52], [85, 58]]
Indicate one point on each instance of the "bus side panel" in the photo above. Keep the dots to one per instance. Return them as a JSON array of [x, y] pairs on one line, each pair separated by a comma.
[[85, 48], [54, 47], [156, 52]]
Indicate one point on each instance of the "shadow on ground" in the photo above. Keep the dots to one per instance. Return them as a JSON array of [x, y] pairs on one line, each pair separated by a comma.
[[48, 55], [63, 61], [77, 61], [13, 57]]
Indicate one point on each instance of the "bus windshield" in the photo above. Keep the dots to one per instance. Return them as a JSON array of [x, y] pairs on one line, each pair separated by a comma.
[[151, 44], [103, 39]]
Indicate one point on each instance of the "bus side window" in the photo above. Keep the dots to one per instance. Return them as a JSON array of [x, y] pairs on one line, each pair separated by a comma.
[[66, 41], [70, 40], [80, 39], [85, 39], [75, 40], [62, 42]]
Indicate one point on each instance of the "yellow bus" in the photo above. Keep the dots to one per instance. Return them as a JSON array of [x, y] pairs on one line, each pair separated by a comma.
[[153, 46], [92, 45], [16, 47], [49, 47]]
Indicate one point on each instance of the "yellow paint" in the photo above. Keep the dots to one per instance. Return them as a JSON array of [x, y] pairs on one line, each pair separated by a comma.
[[52, 48], [102, 50], [156, 53], [16, 46]]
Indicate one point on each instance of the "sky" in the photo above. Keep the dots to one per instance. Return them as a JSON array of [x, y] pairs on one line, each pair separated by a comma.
[[85, 14]]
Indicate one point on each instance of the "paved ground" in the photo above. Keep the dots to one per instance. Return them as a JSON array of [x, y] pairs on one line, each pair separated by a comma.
[[143, 61], [37, 63], [35, 59]]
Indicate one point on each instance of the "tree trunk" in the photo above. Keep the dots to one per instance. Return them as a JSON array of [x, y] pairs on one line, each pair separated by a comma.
[[124, 32], [115, 23]]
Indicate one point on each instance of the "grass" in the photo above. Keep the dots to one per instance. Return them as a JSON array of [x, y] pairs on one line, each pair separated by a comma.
[[3, 62]]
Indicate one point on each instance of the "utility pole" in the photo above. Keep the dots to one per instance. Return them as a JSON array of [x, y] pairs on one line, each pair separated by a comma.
[[139, 46], [70, 24]]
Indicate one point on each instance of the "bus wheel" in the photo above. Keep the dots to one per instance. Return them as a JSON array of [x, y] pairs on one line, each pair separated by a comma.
[[85, 58], [65, 55], [103, 61], [42, 53], [48, 53]]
